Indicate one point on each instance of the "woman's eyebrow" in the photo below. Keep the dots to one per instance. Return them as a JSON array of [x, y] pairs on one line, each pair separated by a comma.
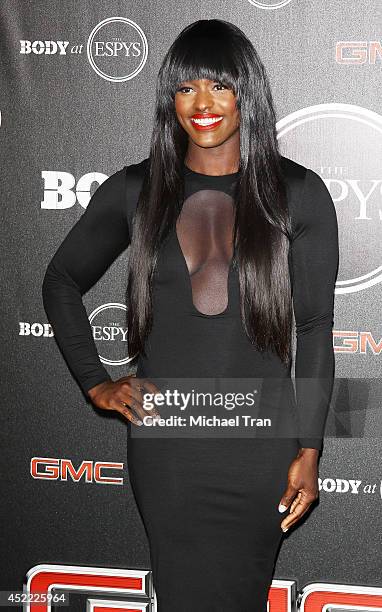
[[195, 80]]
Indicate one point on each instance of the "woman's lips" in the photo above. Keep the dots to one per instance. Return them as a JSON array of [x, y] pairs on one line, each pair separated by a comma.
[[206, 122]]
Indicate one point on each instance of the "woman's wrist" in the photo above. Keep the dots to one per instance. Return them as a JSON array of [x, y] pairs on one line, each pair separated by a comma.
[[95, 390], [309, 452]]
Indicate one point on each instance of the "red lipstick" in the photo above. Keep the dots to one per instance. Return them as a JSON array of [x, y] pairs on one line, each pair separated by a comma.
[[206, 121]]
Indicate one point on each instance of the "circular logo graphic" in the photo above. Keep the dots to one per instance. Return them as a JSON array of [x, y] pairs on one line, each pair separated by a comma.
[[108, 323], [343, 144], [269, 4], [117, 49]]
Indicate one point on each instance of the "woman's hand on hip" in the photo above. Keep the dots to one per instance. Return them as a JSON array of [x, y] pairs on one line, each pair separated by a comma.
[[125, 395], [302, 488]]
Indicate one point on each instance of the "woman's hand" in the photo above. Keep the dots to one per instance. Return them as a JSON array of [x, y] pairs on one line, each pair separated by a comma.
[[125, 395], [302, 489]]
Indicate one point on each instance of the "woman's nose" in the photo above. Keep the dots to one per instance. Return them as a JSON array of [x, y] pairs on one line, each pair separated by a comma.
[[203, 101]]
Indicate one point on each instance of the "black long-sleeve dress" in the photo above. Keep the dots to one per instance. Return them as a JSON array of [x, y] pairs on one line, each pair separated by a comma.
[[209, 506]]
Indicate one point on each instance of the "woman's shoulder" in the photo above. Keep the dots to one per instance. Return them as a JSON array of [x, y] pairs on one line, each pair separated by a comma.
[[122, 187], [294, 175], [308, 196], [129, 175], [116, 197], [124, 181], [135, 172], [300, 179]]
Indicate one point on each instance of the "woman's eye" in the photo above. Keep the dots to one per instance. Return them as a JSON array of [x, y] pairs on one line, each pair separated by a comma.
[[186, 88]]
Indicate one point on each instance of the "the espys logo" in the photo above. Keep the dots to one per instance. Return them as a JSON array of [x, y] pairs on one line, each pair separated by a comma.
[[116, 49], [350, 138], [269, 4], [108, 329]]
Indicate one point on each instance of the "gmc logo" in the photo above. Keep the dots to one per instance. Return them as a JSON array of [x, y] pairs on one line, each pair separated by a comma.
[[358, 52], [52, 468], [136, 588]]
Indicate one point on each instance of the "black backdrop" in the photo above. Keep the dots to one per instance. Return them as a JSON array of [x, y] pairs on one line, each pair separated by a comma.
[[71, 114]]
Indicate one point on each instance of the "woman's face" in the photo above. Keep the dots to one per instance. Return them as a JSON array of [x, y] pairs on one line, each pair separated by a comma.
[[207, 111]]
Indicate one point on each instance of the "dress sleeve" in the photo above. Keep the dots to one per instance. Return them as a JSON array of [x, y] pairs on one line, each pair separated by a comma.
[[314, 264], [90, 247]]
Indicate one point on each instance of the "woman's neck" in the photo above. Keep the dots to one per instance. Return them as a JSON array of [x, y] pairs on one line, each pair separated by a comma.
[[214, 161]]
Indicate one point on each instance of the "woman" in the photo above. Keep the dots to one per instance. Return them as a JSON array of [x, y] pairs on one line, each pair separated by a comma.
[[228, 239]]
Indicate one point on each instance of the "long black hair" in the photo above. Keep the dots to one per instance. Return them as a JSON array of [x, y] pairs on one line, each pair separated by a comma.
[[218, 50]]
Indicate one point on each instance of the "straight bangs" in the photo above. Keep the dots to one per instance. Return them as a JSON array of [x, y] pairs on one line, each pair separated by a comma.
[[202, 54], [204, 63]]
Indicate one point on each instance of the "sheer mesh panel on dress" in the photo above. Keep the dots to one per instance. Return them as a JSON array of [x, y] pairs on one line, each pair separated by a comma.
[[205, 232]]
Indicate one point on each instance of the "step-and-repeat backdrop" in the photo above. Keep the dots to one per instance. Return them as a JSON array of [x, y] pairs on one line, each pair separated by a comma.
[[77, 98]]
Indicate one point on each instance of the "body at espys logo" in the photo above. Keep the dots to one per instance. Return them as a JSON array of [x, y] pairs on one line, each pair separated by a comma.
[[108, 323], [117, 49], [349, 139], [269, 4]]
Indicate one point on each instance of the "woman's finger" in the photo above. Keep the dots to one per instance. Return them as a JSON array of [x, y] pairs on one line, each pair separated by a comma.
[[298, 511], [125, 411], [132, 394], [147, 389], [140, 411], [295, 502]]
